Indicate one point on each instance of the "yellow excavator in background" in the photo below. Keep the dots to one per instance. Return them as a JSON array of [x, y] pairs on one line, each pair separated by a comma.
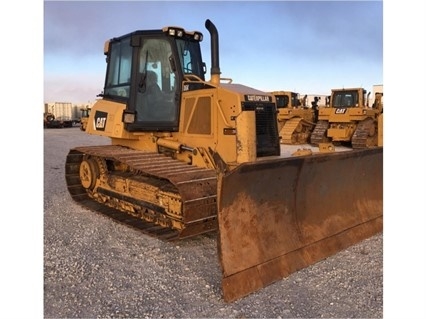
[[190, 156], [350, 120], [295, 119]]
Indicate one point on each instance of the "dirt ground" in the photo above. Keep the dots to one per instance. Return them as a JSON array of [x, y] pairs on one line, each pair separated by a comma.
[[95, 267]]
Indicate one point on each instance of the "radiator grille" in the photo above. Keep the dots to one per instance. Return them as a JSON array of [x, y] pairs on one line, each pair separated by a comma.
[[267, 138]]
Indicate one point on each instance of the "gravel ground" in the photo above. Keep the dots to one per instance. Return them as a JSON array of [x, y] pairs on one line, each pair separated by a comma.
[[95, 267]]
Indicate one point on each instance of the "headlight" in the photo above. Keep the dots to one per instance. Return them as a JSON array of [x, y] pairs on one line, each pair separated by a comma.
[[128, 117], [180, 33], [175, 32], [198, 36]]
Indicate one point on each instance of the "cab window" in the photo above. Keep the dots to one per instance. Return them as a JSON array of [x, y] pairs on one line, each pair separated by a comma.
[[155, 99], [119, 69]]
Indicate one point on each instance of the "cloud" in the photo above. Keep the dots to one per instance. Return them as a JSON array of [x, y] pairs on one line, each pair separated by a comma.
[[257, 38]]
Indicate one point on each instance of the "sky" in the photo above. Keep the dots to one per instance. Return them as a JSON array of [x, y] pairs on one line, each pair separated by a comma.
[[303, 46]]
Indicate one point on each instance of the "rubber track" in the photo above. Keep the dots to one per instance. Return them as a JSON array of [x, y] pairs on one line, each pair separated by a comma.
[[195, 185]]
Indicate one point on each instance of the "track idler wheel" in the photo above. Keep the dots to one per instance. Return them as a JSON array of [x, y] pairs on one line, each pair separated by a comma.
[[89, 173]]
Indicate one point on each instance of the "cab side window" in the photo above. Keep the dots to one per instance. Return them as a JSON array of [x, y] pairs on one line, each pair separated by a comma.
[[119, 69]]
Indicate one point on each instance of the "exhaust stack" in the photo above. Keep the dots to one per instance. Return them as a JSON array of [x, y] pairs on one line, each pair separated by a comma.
[[214, 43]]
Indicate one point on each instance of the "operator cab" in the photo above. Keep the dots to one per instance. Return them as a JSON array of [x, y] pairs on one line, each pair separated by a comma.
[[283, 101], [146, 70], [347, 98]]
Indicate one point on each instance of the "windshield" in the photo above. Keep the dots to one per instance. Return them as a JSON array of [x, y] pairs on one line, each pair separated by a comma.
[[282, 101], [294, 100], [345, 99], [155, 100]]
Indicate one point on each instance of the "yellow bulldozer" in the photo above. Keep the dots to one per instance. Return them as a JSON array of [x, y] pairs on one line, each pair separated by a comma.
[[349, 120], [85, 112], [295, 119], [190, 156]]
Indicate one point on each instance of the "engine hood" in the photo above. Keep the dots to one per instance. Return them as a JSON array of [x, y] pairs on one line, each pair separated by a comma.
[[250, 94]]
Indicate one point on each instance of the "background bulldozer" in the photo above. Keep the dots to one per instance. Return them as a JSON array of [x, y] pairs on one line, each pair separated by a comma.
[[295, 119], [349, 119], [190, 156], [85, 112]]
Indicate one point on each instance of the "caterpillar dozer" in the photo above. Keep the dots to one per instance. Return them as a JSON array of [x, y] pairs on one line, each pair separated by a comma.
[[295, 119], [85, 112], [349, 120], [190, 156]]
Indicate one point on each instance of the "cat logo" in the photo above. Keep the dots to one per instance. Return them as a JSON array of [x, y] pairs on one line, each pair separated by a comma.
[[100, 120], [340, 111], [257, 98]]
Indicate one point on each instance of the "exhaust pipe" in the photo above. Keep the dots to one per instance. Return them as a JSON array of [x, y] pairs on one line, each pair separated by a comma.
[[214, 43]]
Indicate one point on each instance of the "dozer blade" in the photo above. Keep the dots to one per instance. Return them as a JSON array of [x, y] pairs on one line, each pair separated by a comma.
[[276, 217]]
